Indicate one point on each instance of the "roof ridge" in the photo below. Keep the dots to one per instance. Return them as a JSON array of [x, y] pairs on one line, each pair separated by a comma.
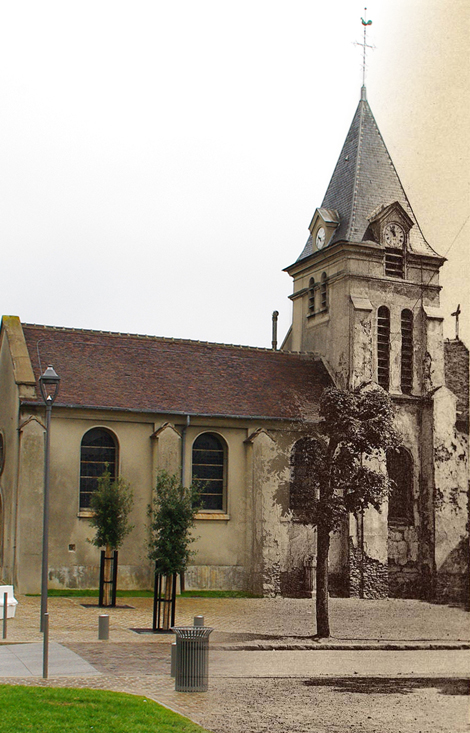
[[170, 339], [356, 169]]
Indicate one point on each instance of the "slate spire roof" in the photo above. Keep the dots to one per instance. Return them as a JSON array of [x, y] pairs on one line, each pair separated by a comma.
[[363, 182]]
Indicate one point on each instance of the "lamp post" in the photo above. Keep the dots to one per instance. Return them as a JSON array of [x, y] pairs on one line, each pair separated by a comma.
[[49, 385]]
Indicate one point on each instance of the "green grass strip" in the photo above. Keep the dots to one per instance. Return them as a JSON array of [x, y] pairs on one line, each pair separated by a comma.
[[66, 710], [93, 593]]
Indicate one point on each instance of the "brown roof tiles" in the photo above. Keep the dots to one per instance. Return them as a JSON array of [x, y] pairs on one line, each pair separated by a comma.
[[150, 374]]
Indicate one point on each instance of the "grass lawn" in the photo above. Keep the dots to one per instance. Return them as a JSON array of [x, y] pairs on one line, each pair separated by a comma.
[[67, 710], [93, 593]]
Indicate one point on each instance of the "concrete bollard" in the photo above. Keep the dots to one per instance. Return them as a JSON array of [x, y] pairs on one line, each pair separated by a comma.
[[5, 614], [199, 621], [103, 627]]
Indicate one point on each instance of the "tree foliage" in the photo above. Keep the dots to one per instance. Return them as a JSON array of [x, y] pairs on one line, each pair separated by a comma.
[[171, 519], [111, 502], [344, 459]]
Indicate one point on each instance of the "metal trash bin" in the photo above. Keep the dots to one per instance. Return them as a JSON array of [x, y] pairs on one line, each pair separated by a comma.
[[192, 658]]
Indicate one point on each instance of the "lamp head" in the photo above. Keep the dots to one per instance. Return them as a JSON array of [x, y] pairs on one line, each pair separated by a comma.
[[49, 383]]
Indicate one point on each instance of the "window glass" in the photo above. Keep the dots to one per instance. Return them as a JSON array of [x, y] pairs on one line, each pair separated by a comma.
[[98, 451], [209, 468]]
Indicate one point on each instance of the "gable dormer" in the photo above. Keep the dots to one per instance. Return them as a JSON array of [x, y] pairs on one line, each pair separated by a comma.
[[390, 226], [322, 227]]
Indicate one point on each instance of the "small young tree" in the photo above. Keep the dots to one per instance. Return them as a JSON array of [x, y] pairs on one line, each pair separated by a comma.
[[171, 520], [356, 427], [111, 503]]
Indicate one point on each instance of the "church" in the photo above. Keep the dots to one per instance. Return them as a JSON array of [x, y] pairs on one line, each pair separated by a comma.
[[365, 310]]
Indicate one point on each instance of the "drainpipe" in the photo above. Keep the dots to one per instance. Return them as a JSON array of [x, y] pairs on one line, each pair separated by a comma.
[[183, 448], [274, 341]]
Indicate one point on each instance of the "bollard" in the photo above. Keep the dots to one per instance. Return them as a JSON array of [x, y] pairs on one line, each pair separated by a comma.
[[103, 627], [45, 648], [5, 614], [192, 657], [173, 660]]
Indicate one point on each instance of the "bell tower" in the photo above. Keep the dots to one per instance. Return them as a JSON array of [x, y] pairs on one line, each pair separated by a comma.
[[366, 284]]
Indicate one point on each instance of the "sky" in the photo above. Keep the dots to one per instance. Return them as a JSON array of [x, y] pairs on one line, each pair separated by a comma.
[[161, 161]]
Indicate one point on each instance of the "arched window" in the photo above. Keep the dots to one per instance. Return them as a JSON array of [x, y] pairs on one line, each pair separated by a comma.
[[400, 472], [324, 292], [209, 467], [406, 351], [98, 451], [383, 347], [304, 473], [311, 296]]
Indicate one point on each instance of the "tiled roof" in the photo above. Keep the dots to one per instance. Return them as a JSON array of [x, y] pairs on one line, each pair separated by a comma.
[[150, 374], [363, 180]]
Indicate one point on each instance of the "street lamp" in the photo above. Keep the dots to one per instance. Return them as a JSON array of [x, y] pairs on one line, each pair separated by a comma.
[[49, 385]]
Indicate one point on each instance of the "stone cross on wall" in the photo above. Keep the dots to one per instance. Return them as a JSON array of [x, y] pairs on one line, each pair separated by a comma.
[[456, 315]]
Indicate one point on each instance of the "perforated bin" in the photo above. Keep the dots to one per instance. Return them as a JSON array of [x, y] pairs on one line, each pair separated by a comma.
[[192, 658]]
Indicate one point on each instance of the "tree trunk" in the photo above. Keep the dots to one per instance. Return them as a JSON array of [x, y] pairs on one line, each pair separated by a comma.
[[107, 576], [167, 604], [323, 547]]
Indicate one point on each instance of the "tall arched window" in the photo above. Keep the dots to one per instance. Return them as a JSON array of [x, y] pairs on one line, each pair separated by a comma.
[[98, 451], [311, 296], [304, 473], [406, 351], [209, 466], [383, 347], [400, 472], [324, 292]]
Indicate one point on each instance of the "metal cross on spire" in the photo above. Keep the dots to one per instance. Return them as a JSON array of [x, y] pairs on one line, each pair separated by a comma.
[[456, 315], [364, 45]]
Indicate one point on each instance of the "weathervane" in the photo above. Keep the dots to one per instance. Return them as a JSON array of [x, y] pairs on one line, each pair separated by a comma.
[[364, 45]]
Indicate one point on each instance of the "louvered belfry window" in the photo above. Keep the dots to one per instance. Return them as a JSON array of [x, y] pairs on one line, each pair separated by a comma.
[[311, 296], [406, 351], [209, 468], [324, 292], [394, 263], [383, 347]]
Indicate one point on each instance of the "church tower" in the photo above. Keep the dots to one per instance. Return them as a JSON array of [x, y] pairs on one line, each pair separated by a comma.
[[366, 284], [366, 299]]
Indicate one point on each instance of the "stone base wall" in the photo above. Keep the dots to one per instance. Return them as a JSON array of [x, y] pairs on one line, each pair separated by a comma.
[[297, 582], [368, 578], [405, 581], [216, 577], [451, 587]]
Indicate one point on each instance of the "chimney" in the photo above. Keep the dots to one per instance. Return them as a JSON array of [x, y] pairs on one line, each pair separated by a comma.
[[274, 342]]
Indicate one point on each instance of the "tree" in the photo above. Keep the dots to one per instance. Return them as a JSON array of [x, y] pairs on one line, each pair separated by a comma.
[[356, 427], [111, 503], [171, 516]]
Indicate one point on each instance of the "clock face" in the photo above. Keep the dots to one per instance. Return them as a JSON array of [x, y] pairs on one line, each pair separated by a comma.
[[394, 235], [320, 238]]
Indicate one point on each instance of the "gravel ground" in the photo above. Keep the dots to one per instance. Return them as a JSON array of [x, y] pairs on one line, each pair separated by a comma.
[[340, 706]]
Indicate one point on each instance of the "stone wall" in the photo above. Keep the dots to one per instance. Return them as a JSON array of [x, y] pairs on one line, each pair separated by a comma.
[[403, 567]]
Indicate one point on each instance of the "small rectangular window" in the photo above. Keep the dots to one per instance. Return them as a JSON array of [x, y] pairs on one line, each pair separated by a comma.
[[394, 263]]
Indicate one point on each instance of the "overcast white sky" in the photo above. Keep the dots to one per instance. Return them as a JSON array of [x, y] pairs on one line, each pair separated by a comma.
[[160, 161]]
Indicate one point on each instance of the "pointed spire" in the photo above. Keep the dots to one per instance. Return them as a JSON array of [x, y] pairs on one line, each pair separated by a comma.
[[363, 182]]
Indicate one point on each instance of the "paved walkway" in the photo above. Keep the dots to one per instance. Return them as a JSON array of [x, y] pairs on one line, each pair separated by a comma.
[[252, 639]]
